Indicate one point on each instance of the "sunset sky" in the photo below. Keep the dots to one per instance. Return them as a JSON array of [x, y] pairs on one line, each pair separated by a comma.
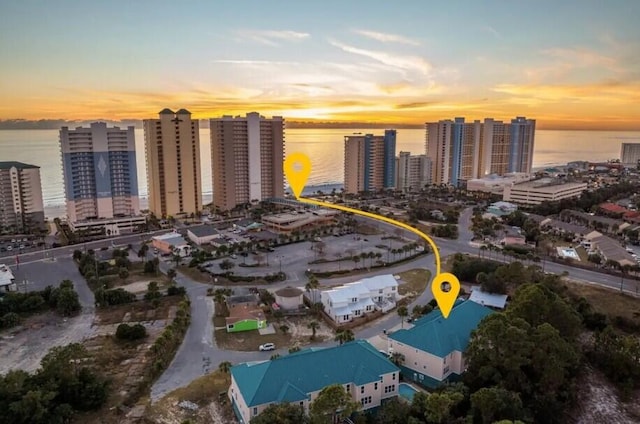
[[568, 64]]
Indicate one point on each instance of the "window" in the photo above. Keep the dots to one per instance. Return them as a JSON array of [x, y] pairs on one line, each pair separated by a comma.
[[348, 387], [375, 386], [446, 369], [393, 376], [255, 410], [361, 390], [302, 404]]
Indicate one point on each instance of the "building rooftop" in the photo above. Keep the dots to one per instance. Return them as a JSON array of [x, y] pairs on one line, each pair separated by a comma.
[[6, 276], [547, 185], [166, 111], [203, 231], [290, 378], [380, 282], [242, 298], [441, 336], [19, 165], [493, 300], [289, 292], [183, 112]]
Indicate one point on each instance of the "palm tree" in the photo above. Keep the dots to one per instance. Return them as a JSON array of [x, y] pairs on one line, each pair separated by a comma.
[[344, 336], [355, 260], [171, 273], [224, 367], [312, 286], [397, 358], [402, 313], [313, 325]]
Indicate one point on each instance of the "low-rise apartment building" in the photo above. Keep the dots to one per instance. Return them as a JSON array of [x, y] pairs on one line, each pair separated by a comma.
[[298, 378], [286, 223], [433, 348]]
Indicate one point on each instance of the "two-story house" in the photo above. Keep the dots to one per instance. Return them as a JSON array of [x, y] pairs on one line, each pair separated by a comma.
[[356, 299], [299, 377], [433, 348]]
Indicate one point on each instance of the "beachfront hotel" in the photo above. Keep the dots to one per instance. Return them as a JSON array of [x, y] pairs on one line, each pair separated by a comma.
[[247, 155], [370, 162], [21, 206], [172, 147], [461, 151], [100, 174], [413, 172]]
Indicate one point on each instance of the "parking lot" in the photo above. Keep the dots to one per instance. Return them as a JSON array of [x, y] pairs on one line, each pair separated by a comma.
[[17, 245], [293, 259]]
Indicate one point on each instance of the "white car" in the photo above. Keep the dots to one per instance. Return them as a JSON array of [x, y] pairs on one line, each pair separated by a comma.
[[267, 346]]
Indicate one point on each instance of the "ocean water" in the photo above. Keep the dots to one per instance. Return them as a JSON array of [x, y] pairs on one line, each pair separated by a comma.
[[324, 146]]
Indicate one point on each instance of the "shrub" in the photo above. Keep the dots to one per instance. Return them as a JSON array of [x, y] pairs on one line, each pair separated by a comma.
[[131, 332], [174, 290], [9, 320], [117, 296]]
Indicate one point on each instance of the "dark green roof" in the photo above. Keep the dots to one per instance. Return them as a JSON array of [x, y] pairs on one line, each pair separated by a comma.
[[183, 112], [19, 165], [440, 336], [166, 111], [291, 378]]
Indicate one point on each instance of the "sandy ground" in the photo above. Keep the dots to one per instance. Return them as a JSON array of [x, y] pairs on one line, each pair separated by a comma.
[[299, 330], [173, 414], [599, 403], [25, 346]]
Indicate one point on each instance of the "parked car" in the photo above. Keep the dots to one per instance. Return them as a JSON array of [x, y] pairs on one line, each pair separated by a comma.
[[267, 346], [234, 257]]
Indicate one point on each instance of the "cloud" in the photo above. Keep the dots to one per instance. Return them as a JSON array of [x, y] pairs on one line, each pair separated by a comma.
[[407, 63], [271, 37], [491, 30], [582, 57], [253, 62], [386, 37]]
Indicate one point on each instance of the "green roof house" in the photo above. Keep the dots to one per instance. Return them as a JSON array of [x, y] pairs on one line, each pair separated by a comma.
[[298, 378], [433, 348]]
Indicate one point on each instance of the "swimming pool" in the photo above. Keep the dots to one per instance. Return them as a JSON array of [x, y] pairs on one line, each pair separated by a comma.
[[406, 391]]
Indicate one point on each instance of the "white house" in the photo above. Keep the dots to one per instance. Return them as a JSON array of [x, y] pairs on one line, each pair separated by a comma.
[[433, 349], [366, 375], [356, 299]]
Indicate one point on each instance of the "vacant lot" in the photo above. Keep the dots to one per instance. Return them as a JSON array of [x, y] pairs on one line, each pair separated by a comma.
[[609, 302], [208, 392], [414, 282], [298, 334]]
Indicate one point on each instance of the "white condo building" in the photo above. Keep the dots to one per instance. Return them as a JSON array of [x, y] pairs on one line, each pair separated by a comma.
[[413, 172], [630, 154], [21, 207]]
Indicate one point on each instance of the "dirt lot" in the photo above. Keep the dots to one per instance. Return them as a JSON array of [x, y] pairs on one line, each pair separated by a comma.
[[298, 334], [598, 402], [209, 393], [23, 347], [607, 301], [413, 282], [125, 362]]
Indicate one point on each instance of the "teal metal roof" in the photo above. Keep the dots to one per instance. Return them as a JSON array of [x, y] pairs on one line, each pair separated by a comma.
[[441, 336], [291, 378]]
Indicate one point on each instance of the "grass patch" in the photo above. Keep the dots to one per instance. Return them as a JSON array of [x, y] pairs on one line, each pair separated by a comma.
[[367, 230], [140, 310], [415, 281], [195, 274], [612, 303], [249, 341], [204, 389]]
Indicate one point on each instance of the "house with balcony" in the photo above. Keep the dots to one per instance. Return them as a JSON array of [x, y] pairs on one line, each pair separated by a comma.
[[356, 299], [297, 378], [433, 349]]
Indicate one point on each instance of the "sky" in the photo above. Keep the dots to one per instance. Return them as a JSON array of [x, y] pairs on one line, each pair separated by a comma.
[[568, 64]]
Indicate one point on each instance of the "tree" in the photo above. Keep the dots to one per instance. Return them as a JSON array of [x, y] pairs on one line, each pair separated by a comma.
[[224, 367], [67, 302], [344, 336], [313, 325], [397, 358], [153, 291], [311, 286], [493, 403], [284, 328], [226, 265], [438, 406], [393, 411], [171, 273], [281, 413], [403, 312], [123, 273], [333, 402]]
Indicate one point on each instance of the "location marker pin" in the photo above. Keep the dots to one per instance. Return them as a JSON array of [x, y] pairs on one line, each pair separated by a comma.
[[445, 299], [297, 167]]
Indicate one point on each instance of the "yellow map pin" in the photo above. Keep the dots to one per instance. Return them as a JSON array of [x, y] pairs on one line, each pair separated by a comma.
[[445, 299], [297, 167]]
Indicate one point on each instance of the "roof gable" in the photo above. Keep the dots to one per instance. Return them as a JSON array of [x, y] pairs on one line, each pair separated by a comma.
[[441, 336]]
